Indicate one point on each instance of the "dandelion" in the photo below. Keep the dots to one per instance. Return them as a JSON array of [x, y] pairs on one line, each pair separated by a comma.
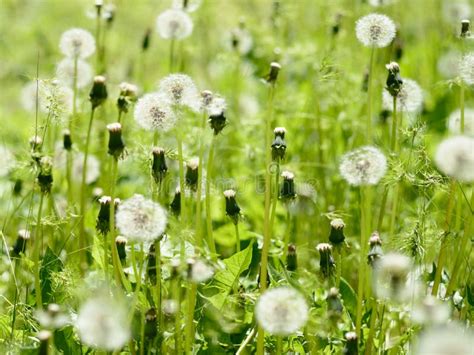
[[187, 5], [200, 271], [232, 209], [102, 322], [466, 68], [52, 317], [287, 191], [375, 30], [279, 144], [336, 236], [454, 122], [375, 251], [455, 158], [180, 90], [52, 97], [430, 311], [174, 24], [445, 340], [326, 261], [241, 40], [281, 311], [20, 244], [409, 98], [128, 94], [363, 166], [77, 43], [153, 112], [92, 171], [191, 177], [291, 258], [456, 10], [140, 219], [391, 277], [6, 161], [158, 166], [65, 73], [448, 64]]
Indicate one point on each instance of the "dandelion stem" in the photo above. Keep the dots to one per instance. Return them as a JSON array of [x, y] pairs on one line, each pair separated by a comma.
[[369, 96], [266, 225], [373, 320], [275, 196], [181, 178], [171, 59], [237, 237], [113, 248], [177, 320], [210, 238], [198, 231], [189, 331], [36, 254], [82, 206], [279, 347], [393, 138], [444, 242]]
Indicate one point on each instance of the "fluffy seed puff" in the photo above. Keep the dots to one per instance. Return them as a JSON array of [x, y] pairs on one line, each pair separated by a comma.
[[141, 220], [180, 91], [455, 158], [375, 30], [174, 24], [281, 311], [466, 68], [65, 73], [77, 43], [454, 122], [153, 112], [391, 277], [409, 97], [363, 166]]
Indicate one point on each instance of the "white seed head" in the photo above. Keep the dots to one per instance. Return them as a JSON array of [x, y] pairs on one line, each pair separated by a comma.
[[445, 340], [174, 24], [454, 122], [153, 112], [217, 106], [242, 39], [456, 10], [363, 166], [409, 99], [448, 64], [52, 97], [65, 73], [391, 277], [375, 30], [281, 311], [102, 322], [7, 160], [140, 219], [466, 68], [52, 317], [455, 158], [430, 311], [229, 193], [180, 91], [77, 42], [93, 168], [201, 271]]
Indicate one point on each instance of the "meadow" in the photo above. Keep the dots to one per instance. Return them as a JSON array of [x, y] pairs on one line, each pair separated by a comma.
[[236, 177]]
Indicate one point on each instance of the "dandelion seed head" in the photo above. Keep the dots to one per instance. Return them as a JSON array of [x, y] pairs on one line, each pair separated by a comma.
[[6, 161], [409, 99], [241, 40], [430, 311], [77, 42], [455, 158], [391, 277], [466, 68], [52, 317], [454, 122], [102, 322], [448, 64], [93, 168], [445, 340], [65, 73], [375, 30], [140, 219], [153, 112], [201, 271], [363, 166], [174, 24], [180, 91], [456, 10], [281, 311]]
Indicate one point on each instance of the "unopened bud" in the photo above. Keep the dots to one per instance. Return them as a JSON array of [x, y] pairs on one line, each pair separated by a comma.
[[121, 243], [67, 141], [394, 80], [217, 122], [103, 218], [287, 191], [232, 209], [326, 261], [351, 344], [128, 94], [20, 244], [44, 336], [146, 40], [375, 252], [175, 205], [116, 145], [45, 175], [291, 258], [465, 28], [17, 187], [191, 177], [279, 144], [98, 93], [336, 236], [158, 166], [151, 324], [334, 304], [151, 264], [274, 70]]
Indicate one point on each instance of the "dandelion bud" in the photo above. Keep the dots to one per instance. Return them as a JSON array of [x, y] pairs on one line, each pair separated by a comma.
[[326, 261], [120, 243], [151, 264], [398, 48], [351, 344], [36, 144], [109, 14], [20, 244], [116, 145], [336, 236], [217, 122], [146, 40], [334, 304], [151, 324], [273, 75], [44, 336], [158, 167], [175, 205], [128, 94], [291, 258], [103, 218], [465, 28], [98, 93], [232, 209], [337, 24], [287, 191], [45, 175], [191, 177], [394, 80], [67, 141], [375, 252], [279, 144], [98, 5], [17, 187]]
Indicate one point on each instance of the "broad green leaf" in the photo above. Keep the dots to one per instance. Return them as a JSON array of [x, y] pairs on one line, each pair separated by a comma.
[[49, 265], [349, 297]]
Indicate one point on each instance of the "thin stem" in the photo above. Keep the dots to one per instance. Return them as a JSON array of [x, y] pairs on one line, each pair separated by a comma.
[[279, 347], [275, 196], [369, 96], [461, 94], [237, 237], [36, 254], [189, 331], [82, 206], [393, 216], [246, 341], [181, 178], [393, 137], [177, 320], [444, 243], [198, 231], [287, 233], [113, 248], [210, 237], [373, 320], [266, 223], [158, 287], [98, 40], [171, 59], [74, 94]]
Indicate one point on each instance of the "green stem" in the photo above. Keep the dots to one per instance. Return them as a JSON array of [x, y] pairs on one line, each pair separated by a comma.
[[287, 233], [158, 287], [74, 95], [274, 202], [198, 231], [113, 248], [393, 216], [369, 96], [266, 221], [36, 255], [237, 237], [393, 137], [210, 237], [177, 319], [373, 320], [82, 206], [189, 331], [171, 59], [279, 348], [462, 124], [181, 178], [444, 243]]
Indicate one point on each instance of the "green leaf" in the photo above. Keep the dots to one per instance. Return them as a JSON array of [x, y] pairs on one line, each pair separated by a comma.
[[49, 265], [226, 279], [349, 297], [64, 340]]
